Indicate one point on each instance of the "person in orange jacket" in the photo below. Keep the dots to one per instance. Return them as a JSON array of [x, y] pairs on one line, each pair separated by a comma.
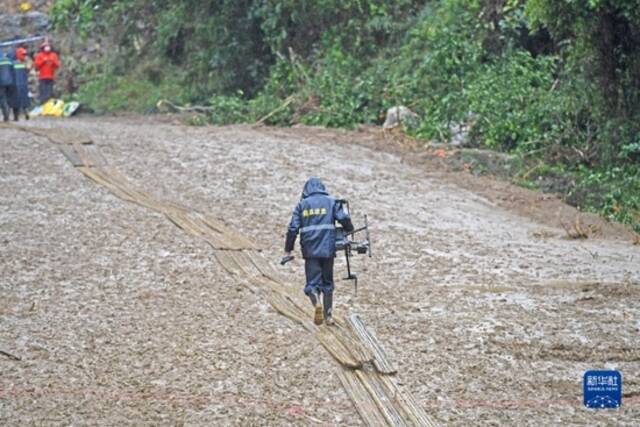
[[47, 63]]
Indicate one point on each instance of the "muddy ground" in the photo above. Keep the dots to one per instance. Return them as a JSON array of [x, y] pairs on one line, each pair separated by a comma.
[[120, 318]]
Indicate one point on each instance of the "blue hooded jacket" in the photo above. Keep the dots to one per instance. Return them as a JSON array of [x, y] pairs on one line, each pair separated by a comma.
[[314, 218], [6, 71], [20, 90]]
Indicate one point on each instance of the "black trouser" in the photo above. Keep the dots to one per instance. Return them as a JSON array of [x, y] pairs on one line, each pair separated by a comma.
[[319, 273], [4, 101], [17, 111], [45, 90]]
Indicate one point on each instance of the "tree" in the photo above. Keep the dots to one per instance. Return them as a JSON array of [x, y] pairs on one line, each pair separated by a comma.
[[601, 39]]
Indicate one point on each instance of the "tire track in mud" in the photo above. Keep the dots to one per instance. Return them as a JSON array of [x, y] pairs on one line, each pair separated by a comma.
[[365, 372]]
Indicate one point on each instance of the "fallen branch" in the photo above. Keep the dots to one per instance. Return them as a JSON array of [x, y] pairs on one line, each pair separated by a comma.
[[10, 356], [528, 173], [578, 231], [284, 105], [164, 104]]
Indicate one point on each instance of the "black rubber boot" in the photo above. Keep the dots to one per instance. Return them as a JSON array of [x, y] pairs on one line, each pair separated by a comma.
[[314, 298], [327, 302]]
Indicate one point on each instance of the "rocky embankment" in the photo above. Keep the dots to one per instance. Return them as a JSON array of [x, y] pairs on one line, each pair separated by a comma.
[[29, 20]]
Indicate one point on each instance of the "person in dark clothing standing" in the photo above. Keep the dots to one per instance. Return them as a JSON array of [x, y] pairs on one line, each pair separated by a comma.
[[6, 84], [314, 218], [19, 99]]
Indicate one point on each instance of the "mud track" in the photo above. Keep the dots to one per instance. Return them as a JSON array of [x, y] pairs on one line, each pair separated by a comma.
[[119, 317]]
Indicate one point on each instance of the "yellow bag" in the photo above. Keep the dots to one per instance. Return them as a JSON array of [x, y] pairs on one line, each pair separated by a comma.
[[46, 107], [53, 107]]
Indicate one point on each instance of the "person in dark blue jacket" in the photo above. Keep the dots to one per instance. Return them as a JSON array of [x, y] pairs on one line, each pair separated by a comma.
[[6, 84], [314, 218], [19, 100]]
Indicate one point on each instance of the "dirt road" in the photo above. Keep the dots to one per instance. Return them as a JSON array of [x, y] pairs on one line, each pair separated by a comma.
[[120, 318]]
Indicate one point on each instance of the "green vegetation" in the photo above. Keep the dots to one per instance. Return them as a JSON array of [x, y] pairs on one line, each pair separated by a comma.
[[555, 81], [127, 93]]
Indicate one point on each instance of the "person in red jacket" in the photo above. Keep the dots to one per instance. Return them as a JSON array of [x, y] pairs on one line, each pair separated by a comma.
[[46, 62]]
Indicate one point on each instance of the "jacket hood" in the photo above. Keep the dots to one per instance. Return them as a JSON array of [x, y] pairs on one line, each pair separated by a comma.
[[313, 186]]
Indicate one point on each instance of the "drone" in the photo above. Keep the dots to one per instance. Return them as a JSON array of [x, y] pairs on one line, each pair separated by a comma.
[[348, 243]]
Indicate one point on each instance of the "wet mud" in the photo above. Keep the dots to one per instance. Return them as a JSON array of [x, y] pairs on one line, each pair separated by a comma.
[[120, 318]]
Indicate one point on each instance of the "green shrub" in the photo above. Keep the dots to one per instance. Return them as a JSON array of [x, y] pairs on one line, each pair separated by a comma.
[[111, 94], [612, 192], [533, 77], [512, 100]]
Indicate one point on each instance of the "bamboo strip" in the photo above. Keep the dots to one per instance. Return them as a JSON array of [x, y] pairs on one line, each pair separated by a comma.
[[406, 403], [337, 349], [123, 191], [284, 306], [242, 241], [261, 264], [366, 407], [227, 262], [179, 221], [90, 154], [167, 205], [94, 175], [245, 263], [380, 397], [271, 284], [359, 351], [381, 360], [71, 155]]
